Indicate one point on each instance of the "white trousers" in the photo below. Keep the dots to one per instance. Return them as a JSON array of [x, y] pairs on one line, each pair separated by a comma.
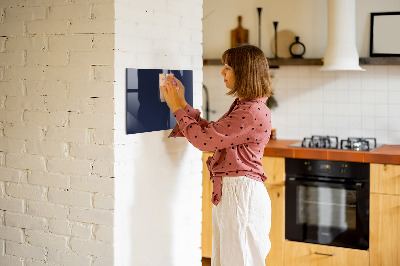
[[241, 223]]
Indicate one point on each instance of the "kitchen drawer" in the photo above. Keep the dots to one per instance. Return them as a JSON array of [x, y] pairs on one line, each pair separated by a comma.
[[385, 178], [305, 254]]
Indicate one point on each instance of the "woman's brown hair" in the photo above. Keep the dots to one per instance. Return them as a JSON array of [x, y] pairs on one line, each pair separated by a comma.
[[250, 66]]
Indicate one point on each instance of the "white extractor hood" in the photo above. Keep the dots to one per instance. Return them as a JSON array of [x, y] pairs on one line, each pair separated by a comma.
[[341, 51]]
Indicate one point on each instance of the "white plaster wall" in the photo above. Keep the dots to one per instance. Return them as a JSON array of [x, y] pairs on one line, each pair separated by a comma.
[[158, 180], [56, 132], [311, 102]]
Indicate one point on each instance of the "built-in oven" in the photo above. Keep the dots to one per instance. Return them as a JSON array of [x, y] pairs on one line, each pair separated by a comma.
[[327, 202]]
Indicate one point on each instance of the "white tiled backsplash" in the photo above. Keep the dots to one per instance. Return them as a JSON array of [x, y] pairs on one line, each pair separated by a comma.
[[314, 102]]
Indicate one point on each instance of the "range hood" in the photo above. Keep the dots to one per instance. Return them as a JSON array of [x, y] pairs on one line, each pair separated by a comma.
[[341, 51]]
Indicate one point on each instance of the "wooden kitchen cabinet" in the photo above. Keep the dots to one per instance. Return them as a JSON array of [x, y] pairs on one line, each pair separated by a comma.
[[384, 237], [385, 178], [305, 254], [274, 168], [206, 225]]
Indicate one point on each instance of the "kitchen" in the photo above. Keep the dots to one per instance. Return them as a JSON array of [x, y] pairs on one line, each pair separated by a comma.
[[313, 104]]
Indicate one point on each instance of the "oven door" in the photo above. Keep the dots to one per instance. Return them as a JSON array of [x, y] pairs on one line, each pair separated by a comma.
[[327, 213]]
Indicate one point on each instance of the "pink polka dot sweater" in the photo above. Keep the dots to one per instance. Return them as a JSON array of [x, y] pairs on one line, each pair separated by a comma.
[[238, 139]]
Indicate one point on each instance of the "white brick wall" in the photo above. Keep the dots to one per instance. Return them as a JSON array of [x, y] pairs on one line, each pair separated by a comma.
[[153, 174], [56, 132]]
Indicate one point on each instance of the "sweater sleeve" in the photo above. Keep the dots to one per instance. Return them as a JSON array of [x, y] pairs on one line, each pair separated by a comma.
[[228, 131], [193, 113]]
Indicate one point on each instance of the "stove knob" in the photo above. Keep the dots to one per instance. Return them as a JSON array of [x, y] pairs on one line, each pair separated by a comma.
[[343, 168]]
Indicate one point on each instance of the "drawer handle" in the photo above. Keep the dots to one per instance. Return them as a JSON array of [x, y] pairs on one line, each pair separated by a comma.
[[324, 254]]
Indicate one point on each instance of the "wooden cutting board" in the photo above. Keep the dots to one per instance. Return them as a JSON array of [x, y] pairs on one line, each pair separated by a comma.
[[239, 35]]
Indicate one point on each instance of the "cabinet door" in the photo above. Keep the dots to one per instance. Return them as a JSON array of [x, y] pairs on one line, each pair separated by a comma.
[[274, 168], [304, 254], [277, 233], [385, 178], [206, 232], [384, 229]]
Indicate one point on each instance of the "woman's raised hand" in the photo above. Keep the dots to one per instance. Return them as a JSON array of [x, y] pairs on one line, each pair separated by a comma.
[[172, 94]]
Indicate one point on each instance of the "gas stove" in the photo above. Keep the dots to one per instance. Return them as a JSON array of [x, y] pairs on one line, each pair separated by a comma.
[[332, 142]]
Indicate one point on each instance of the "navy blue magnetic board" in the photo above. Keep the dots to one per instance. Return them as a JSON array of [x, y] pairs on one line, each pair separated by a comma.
[[146, 110]]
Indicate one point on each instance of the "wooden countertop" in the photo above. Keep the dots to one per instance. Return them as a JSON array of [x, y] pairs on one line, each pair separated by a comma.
[[389, 154]]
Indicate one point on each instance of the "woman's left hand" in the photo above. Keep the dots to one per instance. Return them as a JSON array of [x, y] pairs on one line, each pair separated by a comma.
[[171, 94]]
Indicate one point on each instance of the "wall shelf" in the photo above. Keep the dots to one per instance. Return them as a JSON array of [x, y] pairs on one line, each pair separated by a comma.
[[274, 63]]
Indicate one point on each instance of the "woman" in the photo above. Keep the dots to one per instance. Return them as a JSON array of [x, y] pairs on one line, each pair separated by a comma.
[[242, 209]]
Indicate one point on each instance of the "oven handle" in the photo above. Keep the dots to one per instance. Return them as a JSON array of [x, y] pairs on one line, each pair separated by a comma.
[[357, 185]]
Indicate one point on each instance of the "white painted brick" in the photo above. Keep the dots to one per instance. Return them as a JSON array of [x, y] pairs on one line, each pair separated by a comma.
[[68, 258], [2, 158], [95, 216], [2, 222], [48, 179], [92, 151], [12, 204], [66, 73], [46, 118], [11, 59], [46, 209], [25, 250], [11, 233], [11, 260], [105, 260], [24, 13], [12, 145], [99, 120], [96, 57], [26, 191], [93, 184], [32, 262], [3, 44], [56, 103], [24, 132], [47, 240], [91, 26], [103, 11], [104, 169], [74, 135], [103, 41], [97, 105], [102, 136], [21, 43], [11, 117], [91, 89], [103, 202], [12, 28], [25, 161], [46, 2], [82, 230], [71, 42], [69, 197], [46, 148], [10, 174], [46, 58], [60, 227], [24, 73], [25, 103], [91, 247], [25, 221], [45, 27], [46, 88], [70, 12], [104, 73], [105, 233], [11, 88], [191, 48], [69, 166]]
